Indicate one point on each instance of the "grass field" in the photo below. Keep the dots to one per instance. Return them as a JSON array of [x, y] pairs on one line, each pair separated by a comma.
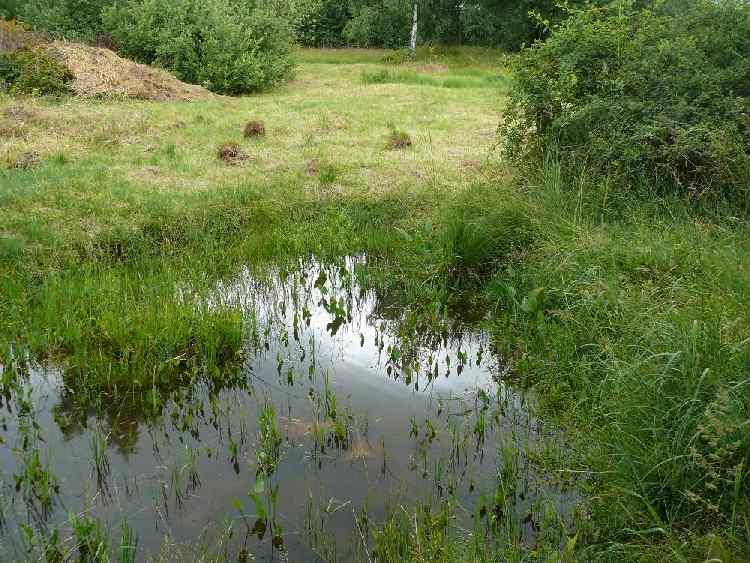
[[627, 314]]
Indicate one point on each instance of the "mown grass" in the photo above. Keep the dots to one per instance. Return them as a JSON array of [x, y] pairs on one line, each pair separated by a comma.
[[627, 313], [129, 202]]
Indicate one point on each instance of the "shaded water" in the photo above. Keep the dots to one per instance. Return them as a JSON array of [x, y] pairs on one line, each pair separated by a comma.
[[344, 409]]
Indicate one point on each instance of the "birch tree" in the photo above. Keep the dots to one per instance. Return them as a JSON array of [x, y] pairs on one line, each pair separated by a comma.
[[414, 28]]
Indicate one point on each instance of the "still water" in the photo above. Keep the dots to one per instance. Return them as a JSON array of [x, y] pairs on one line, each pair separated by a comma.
[[342, 410]]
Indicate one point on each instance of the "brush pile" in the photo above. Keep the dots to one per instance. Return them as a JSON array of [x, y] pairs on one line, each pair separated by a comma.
[[99, 72]]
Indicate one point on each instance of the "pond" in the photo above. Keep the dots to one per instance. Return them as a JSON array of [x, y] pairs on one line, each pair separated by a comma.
[[343, 412]]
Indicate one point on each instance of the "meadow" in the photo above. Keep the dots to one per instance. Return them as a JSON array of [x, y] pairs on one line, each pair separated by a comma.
[[622, 318]]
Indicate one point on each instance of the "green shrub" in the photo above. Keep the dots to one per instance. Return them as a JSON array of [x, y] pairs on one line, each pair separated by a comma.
[[10, 9], [71, 19], [645, 97], [229, 48], [34, 71]]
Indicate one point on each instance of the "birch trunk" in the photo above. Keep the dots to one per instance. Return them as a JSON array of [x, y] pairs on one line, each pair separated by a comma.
[[414, 25]]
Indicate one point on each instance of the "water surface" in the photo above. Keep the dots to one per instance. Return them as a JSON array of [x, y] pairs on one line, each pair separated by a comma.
[[372, 412]]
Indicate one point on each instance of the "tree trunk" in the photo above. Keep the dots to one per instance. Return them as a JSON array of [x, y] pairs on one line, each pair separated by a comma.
[[414, 26]]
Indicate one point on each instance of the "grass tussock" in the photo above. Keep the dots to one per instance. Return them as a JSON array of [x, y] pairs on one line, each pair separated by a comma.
[[254, 129], [481, 236], [231, 153], [24, 160], [398, 140], [327, 173]]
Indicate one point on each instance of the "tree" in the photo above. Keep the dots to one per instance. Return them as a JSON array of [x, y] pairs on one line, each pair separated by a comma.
[[414, 28]]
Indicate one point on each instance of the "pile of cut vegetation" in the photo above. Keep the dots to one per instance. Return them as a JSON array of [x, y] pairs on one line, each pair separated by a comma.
[[32, 64], [99, 72]]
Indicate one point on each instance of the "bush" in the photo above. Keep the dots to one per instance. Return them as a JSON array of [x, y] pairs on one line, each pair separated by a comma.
[[228, 48], [34, 71], [10, 9], [645, 97], [70, 19]]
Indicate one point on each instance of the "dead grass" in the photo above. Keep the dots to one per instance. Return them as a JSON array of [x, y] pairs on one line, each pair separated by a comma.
[[25, 160], [255, 129], [14, 36], [11, 129], [100, 73], [19, 113], [231, 153], [431, 68], [311, 169]]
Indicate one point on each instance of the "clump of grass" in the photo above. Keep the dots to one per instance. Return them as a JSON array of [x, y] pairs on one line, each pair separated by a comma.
[[311, 169], [327, 173], [398, 140], [99, 457], [128, 544], [478, 235], [36, 479], [231, 153], [255, 129], [269, 440], [25, 160], [90, 538]]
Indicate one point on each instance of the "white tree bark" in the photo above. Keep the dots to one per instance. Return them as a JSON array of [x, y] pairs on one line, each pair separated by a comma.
[[414, 26]]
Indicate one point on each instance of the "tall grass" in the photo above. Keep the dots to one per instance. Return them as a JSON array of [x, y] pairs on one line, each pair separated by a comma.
[[388, 76], [643, 340]]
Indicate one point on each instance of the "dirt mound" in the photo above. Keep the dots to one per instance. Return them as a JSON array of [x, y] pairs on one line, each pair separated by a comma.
[[100, 73]]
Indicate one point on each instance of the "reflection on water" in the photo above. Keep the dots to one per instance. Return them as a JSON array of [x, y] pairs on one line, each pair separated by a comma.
[[344, 407]]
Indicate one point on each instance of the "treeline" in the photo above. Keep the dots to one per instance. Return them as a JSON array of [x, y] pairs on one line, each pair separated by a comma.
[[322, 23], [387, 23]]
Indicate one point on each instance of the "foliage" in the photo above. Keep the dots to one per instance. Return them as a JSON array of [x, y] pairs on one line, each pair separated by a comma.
[[387, 23], [642, 96], [34, 71], [322, 23], [230, 48], [334, 23], [9, 9], [70, 19], [641, 331], [508, 24], [379, 24]]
